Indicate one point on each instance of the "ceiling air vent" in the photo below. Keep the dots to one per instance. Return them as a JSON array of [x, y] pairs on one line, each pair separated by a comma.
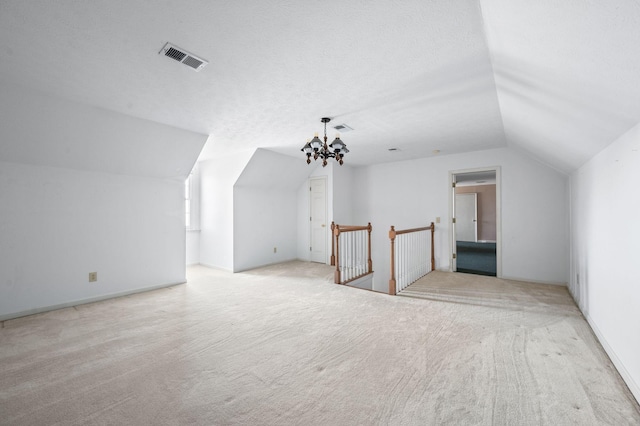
[[342, 128], [174, 52]]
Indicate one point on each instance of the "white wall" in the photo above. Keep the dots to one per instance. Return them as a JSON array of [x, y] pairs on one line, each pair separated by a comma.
[[57, 225], [266, 209], [343, 194], [605, 244], [217, 178], [85, 189], [413, 193], [192, 256], [264, 219], [249, 205]]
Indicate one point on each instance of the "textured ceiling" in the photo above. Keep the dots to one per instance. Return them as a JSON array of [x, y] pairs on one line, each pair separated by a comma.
[[557, 79]]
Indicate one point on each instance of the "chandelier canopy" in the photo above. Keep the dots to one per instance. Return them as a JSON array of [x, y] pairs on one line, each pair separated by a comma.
[[337, 149]]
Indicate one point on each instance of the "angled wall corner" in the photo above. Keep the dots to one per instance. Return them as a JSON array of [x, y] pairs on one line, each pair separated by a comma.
[[265, 209], [217, 178]]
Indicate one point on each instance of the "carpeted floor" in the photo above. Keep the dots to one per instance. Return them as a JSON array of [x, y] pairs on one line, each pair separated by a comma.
[[283, 345], [492, 292]]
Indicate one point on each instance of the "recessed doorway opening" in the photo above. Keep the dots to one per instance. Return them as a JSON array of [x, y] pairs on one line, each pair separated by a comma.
[[475, 237]]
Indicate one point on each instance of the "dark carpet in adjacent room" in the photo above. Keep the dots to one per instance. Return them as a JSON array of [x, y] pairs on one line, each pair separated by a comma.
[[476, 258]]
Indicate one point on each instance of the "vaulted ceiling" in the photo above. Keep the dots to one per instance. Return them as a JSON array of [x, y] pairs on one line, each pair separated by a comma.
[[557, 79]]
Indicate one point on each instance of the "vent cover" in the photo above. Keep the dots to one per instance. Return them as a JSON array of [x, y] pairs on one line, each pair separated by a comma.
[[343, 128], [174, 52]]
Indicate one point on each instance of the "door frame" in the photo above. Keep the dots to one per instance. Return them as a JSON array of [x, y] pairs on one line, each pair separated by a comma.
[[326, 218], [452, 235]]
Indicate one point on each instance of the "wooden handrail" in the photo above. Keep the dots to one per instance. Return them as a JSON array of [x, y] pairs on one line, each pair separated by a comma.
[[350, 228], [392, 236], [406, 231]]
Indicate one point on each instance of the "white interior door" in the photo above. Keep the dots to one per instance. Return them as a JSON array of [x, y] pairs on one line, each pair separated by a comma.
[[466, 214], [318, 219]]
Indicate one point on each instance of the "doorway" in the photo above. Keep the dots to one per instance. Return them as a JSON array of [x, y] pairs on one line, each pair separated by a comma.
[[318, 219], [475, 239]]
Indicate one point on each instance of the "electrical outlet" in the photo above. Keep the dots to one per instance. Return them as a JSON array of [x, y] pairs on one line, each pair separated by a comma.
[[93, 277], [275, 249], [438, 219]]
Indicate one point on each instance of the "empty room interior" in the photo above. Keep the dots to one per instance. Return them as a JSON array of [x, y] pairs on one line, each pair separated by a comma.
[[336, 212]]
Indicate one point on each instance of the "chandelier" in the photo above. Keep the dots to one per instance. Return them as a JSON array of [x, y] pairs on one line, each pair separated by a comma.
[[315, 147]]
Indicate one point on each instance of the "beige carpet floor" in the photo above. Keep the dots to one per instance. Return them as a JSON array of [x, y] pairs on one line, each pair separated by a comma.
[[490, 291], [283, 345]]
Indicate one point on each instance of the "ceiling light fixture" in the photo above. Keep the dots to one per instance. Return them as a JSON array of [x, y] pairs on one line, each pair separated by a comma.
[[315, 147]]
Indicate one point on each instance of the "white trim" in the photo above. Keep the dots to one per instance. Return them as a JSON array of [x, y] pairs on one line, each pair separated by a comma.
[[628, 379], [14, 315], [452, 233], [527, 280], [221, 268], [262, 265]]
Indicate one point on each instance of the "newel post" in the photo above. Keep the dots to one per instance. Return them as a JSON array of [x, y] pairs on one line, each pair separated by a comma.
[[433, 256], [392, 281], [336, 233], [333, 256], [369, 259]]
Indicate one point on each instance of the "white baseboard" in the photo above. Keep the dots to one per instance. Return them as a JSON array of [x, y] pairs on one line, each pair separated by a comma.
[[628, 379], [208, 265], [13, 315], [527, 280], [249, 268]]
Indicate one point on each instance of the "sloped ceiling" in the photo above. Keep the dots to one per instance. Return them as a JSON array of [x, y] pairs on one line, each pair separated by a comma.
[[61, 133], [559, 80], [567, 74], [269, 170]]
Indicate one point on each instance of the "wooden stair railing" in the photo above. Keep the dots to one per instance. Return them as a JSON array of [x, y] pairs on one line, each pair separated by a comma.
[[411, 257], [348, 253]]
